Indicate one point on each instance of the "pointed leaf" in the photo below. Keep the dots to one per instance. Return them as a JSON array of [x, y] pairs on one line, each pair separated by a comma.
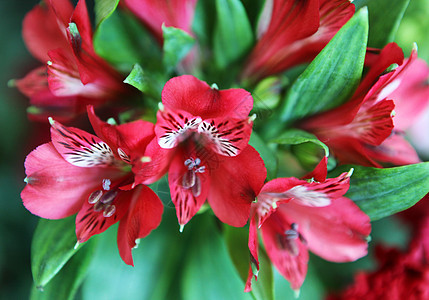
[[208, 272], [296, 136], [65, 285], [236, 241], [233, 34], [144, 82], [384, 192], [177, 44], [384, 19], [333, 75], [103, 9], [52, 246]]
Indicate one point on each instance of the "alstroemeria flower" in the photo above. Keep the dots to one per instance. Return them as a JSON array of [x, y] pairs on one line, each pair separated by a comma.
[[91, 175], [293, 32], [74, 75], [363, 130], [175, 13], [202, 136], [295, 216]]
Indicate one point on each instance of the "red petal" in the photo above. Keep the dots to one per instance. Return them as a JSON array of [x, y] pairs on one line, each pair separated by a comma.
[[253, 248], [320, 171], [187, 199], [144, 215], [187, 93], [81, 148], [235, 182], [90, 222], [337, 232], [292, 266], [81, 19], [176, 13], [56, 189], [132, 138], [44, 31]]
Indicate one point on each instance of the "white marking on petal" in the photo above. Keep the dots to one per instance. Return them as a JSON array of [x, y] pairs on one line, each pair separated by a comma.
[[308, 197], [171, 138], [222, 145], [388, 89], [95, 155], [123, 156]]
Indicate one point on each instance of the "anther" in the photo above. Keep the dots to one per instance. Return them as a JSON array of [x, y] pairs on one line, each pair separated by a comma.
[[95, 196], [109, 197], [109, 211]]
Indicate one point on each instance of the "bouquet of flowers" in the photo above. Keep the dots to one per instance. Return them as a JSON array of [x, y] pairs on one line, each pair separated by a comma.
[[225, 140]]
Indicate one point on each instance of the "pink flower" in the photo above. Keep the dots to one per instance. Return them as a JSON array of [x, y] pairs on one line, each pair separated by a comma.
[[367, 130], [202, 136], [295, 216], [294, 32], [75, 75], [81, 173], [175, 13]]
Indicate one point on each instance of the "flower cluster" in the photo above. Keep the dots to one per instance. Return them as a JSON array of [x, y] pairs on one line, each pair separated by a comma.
[[200, 135]]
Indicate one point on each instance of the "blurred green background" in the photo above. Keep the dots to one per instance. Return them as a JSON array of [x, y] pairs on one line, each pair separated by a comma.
[[19, 136]]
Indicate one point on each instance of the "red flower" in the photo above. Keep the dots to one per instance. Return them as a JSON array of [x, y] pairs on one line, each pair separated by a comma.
[[75, 75], [294, 32], [365, 130], [202, 139], [294, 215], [399, 276], [81, 173], [175, 13]]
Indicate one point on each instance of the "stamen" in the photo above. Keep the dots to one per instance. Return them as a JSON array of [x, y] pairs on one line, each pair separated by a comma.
[[109, 197], [109, 211], [196, 188], [95, 196], [188, 179], [98, 206]]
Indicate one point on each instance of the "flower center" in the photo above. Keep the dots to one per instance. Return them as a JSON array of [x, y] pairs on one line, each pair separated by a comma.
[[190, 179], [103, 199], [288, 240]]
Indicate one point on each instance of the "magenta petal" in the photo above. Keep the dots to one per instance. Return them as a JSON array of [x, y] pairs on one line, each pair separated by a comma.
[[337, 232], [235, 182], [144, 215], [190, 94], [55, 188]]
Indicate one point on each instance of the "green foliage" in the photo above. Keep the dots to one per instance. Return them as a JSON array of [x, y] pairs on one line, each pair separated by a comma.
[[232, 34], [332, 76], [297, 136], [384, 19], [103, 9], [384, 192], [65, 285], [267, 154], [123, 41], [146, 82], [208, 272], [236, 242], [177, 44], [53, 245]]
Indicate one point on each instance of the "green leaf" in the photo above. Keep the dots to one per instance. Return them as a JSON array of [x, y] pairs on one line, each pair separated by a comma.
[[232, 34], [208, 272], [65, 285], [157, 260], [384, 19], [177, 44], [103, 9], [53, 245], [384, 192], [146, 82], [332, 76], [236, 241], [123, 41], [297, 136], [267, 154]]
